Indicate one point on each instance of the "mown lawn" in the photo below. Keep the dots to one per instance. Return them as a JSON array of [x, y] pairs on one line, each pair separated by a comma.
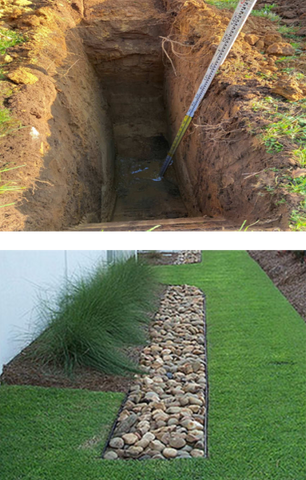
[[257, 377]]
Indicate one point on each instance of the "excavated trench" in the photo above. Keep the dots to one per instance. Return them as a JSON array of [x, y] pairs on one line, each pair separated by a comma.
[[107, 104], [126, 54]]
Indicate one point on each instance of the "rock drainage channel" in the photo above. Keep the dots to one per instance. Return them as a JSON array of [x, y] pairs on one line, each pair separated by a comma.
[[165, 413]]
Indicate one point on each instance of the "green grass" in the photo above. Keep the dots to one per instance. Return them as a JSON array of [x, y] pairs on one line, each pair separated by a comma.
[[95, 316], [265, 12], [47, 427], [287, 128], [9, 38], [8, 186], [257, 379], [7, 123], [298, 218]]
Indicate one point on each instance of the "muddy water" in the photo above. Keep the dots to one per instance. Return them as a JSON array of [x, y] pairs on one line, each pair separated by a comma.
[[142, 195]]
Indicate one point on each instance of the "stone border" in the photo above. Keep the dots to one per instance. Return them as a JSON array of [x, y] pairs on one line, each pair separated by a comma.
[[165, 413]]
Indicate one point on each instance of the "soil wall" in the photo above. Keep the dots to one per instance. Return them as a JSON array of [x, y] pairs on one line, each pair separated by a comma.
[[66, 146], [218, 157]]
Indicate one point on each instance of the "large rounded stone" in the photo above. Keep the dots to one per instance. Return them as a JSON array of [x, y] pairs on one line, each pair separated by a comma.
[[134, 451], [116, 442], [177, 442], [145, 440], [110, 455], [130, 438], [152, 397], [197, 453], [169, 452], [156, 445]]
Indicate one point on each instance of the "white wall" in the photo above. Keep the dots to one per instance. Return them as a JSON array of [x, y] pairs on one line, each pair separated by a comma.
[[26, 274]]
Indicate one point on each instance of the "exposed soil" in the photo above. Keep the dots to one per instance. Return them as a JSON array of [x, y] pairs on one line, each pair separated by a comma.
[[288, 272], [292, 13], [24, 370], [106, 102]]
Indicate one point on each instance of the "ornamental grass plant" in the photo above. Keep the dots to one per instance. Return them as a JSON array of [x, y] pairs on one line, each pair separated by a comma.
[[96, 317]]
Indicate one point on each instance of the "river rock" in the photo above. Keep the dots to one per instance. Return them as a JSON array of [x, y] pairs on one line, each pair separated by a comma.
[[130, 438], [163, 416], [116, 442], [110, 455], [170, 452]]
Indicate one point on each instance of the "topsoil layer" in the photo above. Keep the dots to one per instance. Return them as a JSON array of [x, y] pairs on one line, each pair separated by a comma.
[[288, 273]]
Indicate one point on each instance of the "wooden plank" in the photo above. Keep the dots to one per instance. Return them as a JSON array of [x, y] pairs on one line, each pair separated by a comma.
[[169, 224]]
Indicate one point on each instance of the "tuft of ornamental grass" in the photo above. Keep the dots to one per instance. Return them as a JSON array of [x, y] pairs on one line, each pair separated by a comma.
[[95, 318]]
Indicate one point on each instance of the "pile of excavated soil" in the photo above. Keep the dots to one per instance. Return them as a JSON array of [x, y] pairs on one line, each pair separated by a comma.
[[288, 272], [55, 88]]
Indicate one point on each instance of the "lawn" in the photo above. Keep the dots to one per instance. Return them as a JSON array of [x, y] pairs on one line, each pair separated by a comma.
[[257, 380]]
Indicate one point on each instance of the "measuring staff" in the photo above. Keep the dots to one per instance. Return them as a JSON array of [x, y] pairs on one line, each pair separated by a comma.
[[240, 16]]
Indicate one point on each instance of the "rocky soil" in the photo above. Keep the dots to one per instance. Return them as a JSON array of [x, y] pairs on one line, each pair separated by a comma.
[[165, 412]]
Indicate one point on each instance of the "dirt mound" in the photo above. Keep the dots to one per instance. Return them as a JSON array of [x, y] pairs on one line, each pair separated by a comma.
[[288, 272]]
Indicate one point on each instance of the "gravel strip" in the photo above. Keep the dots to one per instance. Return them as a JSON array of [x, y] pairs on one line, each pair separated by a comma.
[[165, 413]]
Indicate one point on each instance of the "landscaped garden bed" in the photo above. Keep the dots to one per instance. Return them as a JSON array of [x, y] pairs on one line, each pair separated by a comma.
[[256, 363]]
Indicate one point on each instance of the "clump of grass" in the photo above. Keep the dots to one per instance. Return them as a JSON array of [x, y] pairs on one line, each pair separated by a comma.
[[300, 156], [7, 122], [298, 185], [10, 186], [266, 12], [286, 31], [94, 318], [9, 38], [223, 3], [286, 128], [298, 218]]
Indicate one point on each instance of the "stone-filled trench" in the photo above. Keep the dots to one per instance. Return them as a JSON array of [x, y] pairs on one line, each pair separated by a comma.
[[108, 102]]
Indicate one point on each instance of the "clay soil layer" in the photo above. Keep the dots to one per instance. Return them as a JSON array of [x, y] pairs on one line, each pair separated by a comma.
[[98, 90]]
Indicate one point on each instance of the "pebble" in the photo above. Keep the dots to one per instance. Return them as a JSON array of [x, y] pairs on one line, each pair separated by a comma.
[[116, 442], [111, 455], [177, 442], [169, 452], [129, 438]]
